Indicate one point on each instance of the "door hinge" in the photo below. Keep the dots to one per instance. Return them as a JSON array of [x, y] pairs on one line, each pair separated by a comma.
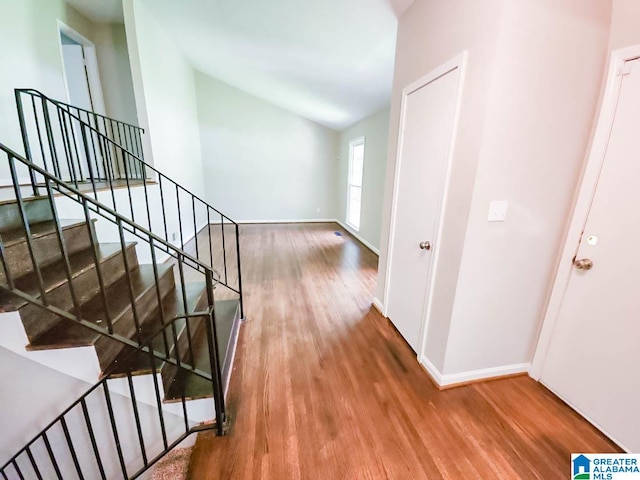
[[627, 67]]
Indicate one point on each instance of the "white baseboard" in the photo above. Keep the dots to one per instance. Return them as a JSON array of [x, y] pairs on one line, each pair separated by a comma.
[[289, 220], [358, 237], [377, 304], [447, 380]]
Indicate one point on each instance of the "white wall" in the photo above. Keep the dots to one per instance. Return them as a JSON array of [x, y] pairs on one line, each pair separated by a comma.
[[30, 57], [165, 98], [527, 110], [542, 106], [624, 24], [30, 52], [375, 129], [262, 162], [115, 71], [430, 33], [38, 394]]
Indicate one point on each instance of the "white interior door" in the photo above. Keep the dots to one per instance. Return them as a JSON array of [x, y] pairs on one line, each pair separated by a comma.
[[593, 359], [76, 76], [425, 137]]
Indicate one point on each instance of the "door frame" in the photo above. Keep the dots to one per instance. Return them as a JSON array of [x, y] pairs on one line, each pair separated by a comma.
[[458, 62], [585, 194], [93, 75]]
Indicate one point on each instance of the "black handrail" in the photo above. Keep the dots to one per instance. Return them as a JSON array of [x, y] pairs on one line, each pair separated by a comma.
[[139, 343], [109, 162]]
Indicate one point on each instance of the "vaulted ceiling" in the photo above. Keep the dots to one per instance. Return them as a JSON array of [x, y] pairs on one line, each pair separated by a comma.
[[327, 60]]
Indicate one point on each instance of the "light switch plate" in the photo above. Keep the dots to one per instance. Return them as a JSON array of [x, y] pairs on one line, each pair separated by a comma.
[[498, 210]]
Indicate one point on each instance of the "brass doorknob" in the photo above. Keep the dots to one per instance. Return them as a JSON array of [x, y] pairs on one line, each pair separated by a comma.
[[425, 245], [583, 264]]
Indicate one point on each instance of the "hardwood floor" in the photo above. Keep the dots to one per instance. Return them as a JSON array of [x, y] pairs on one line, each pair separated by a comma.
[[325, 388]]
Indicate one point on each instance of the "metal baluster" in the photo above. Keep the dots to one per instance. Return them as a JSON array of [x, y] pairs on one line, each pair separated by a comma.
[[36, 470], [106, 161], [156, 387], [126, 176], [132, 296], [25, 141], [146, 199], [72, 450], [114, 429], [17, 468], [92, 437], [67, 148], [209, 234], [86, 151], [94, 251], [39, 132], [50, 137], [63, 248], [92, 136], [179, 217], [156, 278], [224, 250], [164, 214], [214, 357], [75, 146], [239, 271], [195, 227], [136, 416], [27, 227], [52, 457], [183, 289]]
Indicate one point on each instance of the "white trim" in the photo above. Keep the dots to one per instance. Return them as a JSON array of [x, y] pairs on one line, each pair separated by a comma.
[[458, 62], [8, 182], [445, 380], [306, 220], [357, 235], [377, 304], [93, 75], [586, 192], [352, 144]]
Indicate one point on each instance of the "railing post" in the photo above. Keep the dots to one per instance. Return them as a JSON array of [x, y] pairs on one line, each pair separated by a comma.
[[25, 140], [214, 358], [239, 271]]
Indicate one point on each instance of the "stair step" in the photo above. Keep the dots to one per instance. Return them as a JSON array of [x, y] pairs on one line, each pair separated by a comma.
[[65, 333], [84, 275], [194, 386], [45, 244], [137, 362], [37, 209]]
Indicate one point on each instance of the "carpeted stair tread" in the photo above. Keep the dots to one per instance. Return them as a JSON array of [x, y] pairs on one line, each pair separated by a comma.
[[138, 362], [195, 387], [55, 274], [16, 235], [68, 334]]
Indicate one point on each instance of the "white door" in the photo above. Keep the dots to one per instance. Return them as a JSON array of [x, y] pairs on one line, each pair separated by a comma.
[[424, 143], [76, 75], [593, 361]]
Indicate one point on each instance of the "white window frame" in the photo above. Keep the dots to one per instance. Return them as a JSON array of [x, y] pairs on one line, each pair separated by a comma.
[[352, 144]]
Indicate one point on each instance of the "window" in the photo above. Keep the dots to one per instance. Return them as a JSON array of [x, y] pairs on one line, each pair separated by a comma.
[[354, 186]]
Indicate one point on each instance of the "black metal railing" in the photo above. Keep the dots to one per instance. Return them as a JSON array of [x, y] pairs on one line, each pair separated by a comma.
[[168, 343], [104, 158]]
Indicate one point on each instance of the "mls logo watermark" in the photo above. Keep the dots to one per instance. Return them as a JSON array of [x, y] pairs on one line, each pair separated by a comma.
[[605, 466]]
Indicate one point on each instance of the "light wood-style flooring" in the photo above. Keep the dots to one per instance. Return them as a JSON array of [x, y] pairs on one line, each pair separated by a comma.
[[325, 388]]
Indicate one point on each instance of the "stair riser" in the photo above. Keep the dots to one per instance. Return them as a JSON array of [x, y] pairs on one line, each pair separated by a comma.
[[36, 211], [108, 349], [46, 248], [86, 285]]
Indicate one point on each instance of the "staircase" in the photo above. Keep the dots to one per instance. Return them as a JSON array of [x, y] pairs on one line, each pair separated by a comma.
[[103, 253]]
